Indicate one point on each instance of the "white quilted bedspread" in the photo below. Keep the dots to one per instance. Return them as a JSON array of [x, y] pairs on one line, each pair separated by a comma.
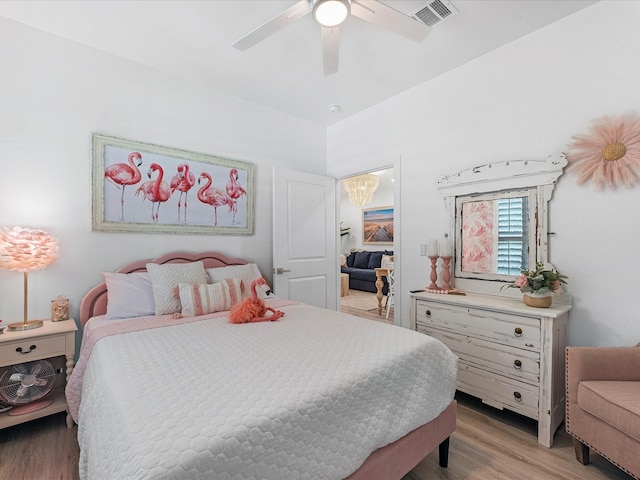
[[309, 396]]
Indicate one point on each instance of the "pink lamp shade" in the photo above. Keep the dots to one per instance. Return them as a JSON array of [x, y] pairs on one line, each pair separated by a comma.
[[27, 249], [24, 250]]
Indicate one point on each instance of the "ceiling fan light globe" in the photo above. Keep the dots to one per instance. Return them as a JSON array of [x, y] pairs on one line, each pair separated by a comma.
[[331, 13]]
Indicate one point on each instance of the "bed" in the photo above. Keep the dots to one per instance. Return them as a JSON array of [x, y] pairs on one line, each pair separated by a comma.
[[316, 394]]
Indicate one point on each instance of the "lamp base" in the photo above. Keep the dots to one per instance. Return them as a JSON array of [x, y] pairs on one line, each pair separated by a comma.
[[28, 325]]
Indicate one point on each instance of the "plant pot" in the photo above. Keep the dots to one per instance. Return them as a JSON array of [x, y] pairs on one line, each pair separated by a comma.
[[539, 301]]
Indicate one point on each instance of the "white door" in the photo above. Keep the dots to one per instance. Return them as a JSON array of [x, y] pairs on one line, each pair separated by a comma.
[[305, 265]]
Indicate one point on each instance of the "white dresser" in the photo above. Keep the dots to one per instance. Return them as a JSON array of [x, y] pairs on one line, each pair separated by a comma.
[[510, 355]]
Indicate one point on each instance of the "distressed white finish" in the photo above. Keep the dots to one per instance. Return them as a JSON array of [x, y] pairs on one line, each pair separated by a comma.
[[510, 355], [540, 176]]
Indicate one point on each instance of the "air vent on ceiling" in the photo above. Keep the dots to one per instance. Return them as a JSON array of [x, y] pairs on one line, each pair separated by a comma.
[[434, 11]]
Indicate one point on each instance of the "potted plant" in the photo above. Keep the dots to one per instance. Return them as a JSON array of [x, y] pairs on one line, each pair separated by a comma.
[[538, 285]]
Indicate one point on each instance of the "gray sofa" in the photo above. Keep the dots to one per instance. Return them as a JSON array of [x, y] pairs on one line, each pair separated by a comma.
[[361, 269]]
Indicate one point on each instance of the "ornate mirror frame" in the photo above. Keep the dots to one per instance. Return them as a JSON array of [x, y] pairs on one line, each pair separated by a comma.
[[535, 178]]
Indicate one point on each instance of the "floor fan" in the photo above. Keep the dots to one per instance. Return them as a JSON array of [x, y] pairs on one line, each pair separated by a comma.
[[24, 385]]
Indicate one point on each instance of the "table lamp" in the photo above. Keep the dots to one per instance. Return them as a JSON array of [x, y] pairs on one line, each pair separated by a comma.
[[24, 250]]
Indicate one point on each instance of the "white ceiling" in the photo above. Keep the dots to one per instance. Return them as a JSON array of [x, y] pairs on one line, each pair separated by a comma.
[[192, 40]]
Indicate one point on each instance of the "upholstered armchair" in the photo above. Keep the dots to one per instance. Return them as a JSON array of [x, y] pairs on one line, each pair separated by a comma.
[[603, 404]]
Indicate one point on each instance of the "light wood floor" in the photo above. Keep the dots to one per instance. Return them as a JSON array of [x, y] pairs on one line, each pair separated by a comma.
[[371, 314], [487, 445]]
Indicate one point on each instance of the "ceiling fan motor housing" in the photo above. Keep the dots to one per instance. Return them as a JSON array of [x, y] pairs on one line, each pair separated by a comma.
[[330, 13]]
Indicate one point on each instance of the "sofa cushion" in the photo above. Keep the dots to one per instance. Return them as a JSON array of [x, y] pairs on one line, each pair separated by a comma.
[[350, 259], [362, 260], [616, 403], [375, 259], [362, 274]]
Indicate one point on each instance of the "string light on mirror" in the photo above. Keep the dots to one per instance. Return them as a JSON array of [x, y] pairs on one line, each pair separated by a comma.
[[361, 188]]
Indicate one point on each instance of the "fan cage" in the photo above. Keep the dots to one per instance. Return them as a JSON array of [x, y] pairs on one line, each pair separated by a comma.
[[24, 383]]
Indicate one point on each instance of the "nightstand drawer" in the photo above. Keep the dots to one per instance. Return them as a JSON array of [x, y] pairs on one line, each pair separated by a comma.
[[32, 349]]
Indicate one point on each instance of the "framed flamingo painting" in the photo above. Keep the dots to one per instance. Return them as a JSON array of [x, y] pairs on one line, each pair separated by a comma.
[[141, 187]]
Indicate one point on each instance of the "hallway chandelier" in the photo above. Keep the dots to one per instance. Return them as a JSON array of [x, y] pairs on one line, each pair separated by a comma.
[[361, 188]]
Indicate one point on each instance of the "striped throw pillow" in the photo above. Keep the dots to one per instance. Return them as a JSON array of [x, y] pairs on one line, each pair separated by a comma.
[[202, 298]]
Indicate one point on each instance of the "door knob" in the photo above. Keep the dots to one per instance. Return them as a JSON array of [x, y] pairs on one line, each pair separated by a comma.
[[280, 271]]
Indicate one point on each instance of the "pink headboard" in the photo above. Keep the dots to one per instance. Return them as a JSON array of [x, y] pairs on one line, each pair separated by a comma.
[[95, 300]]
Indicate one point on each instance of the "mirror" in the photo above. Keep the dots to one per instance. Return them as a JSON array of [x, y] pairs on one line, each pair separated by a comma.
[[493, 232], [498, 216]]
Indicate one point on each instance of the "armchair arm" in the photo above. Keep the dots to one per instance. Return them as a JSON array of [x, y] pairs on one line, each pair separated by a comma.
[[600, 363]]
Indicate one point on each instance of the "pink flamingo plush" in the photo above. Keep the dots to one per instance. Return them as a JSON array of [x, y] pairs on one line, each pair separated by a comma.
[[253, 309], [212, 196], [182, 181], [156, 191], [121, 175], [235, 191]]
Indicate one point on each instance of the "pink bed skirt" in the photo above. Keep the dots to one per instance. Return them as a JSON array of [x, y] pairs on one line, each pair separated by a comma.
[[395, 460]]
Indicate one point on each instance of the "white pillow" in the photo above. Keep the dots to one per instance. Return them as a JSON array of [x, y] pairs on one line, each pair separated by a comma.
[[247, 273], [129, 295], [165, 279], [203, 298]]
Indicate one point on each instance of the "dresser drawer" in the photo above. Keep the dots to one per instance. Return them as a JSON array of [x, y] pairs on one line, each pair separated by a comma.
[[515, 330], [516, 363], [32, 349], [498, 391]]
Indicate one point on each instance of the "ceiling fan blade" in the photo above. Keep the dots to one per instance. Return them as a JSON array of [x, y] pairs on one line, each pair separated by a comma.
[[284, 18], [386, 17], [330, 38]]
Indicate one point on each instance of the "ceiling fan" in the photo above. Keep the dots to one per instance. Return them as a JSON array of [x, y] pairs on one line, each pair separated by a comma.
[[330, 14]]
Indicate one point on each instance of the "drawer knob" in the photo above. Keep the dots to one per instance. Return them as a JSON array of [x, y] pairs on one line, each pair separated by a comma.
[[31, 349], [517, 364], [517, 332], [427, 314], [517, 396]]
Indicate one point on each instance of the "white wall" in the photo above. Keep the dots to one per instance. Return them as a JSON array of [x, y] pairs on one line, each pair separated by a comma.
[[55, 93], [523, 100]]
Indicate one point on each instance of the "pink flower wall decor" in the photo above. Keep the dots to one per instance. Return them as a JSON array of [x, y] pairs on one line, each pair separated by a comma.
[[478, 221], [610, 154]]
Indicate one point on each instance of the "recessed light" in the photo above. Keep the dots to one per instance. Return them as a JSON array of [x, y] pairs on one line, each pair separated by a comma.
[[335, 108]]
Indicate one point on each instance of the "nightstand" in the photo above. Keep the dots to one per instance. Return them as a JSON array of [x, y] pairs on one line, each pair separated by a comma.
[[54, 339]]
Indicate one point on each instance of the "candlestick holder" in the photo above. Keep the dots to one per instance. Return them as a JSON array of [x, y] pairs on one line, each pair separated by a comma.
[[434, 274], [446, 274]]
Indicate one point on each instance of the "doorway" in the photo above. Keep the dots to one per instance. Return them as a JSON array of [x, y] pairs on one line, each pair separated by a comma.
[[360, 299]]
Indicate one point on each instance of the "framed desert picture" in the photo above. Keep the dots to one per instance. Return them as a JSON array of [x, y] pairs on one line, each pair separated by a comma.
[[377, 225], [141, 187]]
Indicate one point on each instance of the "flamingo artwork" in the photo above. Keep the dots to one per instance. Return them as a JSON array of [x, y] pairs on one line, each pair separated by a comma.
[[235, 191], [123, 174], [212, 196], [156, 191], [182, 181]]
